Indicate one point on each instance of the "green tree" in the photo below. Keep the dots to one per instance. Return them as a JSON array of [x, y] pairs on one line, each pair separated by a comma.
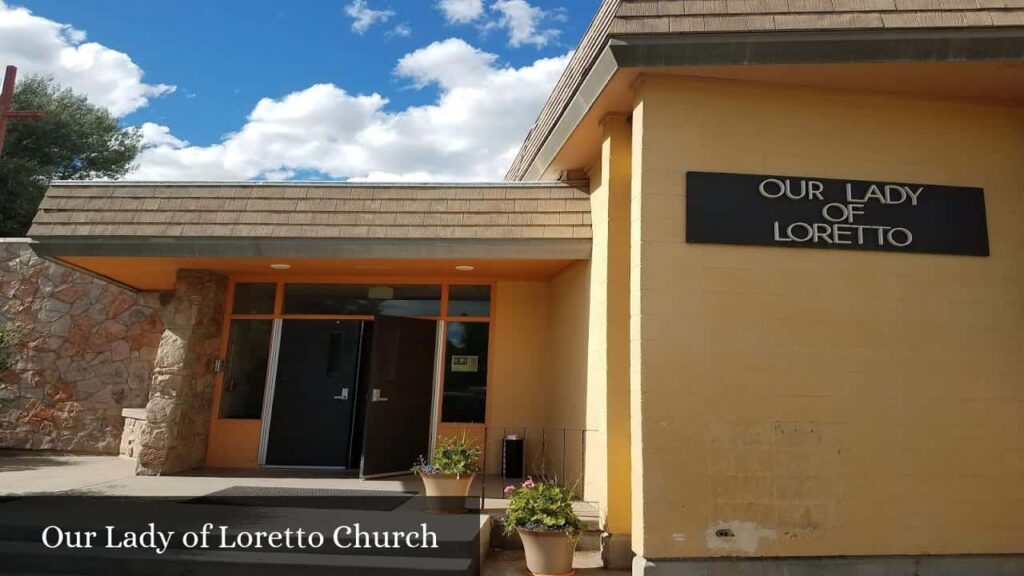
[[76, 140]]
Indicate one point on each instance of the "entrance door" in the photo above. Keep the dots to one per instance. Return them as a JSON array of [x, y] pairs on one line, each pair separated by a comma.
[[399, 395], [314, 393]]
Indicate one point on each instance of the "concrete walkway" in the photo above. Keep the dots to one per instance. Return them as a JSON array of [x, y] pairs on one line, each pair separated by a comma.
[[23, 472], [33, 472]]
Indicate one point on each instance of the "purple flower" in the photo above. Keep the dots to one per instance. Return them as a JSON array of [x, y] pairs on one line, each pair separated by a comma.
[[529, 483]]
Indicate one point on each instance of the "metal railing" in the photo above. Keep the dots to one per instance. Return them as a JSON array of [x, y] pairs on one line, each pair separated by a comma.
[[556, 454]]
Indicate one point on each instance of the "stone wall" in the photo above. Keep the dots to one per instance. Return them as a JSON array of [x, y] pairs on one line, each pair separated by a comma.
[[134, 420], [86, 351]]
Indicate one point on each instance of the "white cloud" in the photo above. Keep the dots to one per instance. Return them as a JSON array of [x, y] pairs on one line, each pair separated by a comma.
[[401, 31], [363, 16], [109, 78], [524, 23], [448, 63], [471, 132], [461, 11], [158, 135]]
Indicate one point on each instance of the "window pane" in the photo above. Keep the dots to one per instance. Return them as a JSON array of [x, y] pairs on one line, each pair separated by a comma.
[[246, 372], [465, 381], [362, 299], [254, 298], [469, 301]]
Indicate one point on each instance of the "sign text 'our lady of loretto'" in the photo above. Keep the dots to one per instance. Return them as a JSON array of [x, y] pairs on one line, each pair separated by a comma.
[[764, 210]]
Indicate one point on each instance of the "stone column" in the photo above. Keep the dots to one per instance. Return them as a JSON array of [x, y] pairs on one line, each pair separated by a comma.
[[173, 438]]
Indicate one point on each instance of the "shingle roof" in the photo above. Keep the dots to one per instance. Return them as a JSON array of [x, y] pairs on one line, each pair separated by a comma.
[[245, 210], [661, 16], [622, 18]]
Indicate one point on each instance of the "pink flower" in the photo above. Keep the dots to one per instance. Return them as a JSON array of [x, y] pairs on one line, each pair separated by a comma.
[[509, 489], [529, 483]]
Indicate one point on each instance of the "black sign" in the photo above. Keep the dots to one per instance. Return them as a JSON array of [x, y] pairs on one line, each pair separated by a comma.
[[801, 212]]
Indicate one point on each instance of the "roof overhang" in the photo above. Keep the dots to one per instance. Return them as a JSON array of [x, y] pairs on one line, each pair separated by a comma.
[[152, 264], [675, 51], [325, 248]]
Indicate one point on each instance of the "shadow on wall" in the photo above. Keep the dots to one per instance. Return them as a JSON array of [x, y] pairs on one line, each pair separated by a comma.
[[538, 385], [553, 454], [85, 351]]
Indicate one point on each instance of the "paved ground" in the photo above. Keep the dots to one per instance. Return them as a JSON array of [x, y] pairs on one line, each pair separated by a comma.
[[23, 472], [511, 563], [35, 472]]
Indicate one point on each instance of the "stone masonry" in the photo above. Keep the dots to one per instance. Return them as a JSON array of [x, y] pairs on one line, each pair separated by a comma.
[[85, 351], [173, 437], [134, 421]]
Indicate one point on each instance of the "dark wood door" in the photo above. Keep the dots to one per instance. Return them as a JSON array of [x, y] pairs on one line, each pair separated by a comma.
[[314, 393], [399, 393]]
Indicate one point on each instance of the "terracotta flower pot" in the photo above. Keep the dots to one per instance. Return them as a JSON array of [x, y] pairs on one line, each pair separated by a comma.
[[547, 553], [447, 492]]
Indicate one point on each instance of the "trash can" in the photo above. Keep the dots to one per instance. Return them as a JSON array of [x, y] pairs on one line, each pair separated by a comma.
[[513, 454]]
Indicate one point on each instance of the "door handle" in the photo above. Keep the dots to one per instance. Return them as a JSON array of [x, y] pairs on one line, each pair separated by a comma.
[[343, 395], [376, 397]]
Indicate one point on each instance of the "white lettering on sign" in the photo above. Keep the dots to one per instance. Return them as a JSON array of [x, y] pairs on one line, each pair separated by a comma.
[[842, 225], [775, 188]]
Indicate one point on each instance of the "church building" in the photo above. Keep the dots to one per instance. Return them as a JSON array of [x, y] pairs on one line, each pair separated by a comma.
[[755, 280]]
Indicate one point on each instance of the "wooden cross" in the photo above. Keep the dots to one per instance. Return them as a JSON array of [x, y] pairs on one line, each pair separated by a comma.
[[6, 97]]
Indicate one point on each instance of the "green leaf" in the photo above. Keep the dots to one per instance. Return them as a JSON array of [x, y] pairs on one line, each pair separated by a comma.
[[76, 140]]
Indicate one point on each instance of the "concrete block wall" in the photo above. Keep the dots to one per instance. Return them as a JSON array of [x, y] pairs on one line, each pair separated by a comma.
[[802, 402]]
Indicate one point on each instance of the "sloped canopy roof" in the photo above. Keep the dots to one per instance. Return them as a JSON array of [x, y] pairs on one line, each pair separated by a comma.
[[741, 31], [315, 219]]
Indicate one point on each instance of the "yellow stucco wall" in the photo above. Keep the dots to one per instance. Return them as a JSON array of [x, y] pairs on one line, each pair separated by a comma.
[[538, 378], [518, 381], [566, 368], [822, 402], [566, 358], [596, 398], [608, 340]]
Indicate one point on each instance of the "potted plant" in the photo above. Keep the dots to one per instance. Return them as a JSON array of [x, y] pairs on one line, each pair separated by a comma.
[[449, 474], [542, 514]]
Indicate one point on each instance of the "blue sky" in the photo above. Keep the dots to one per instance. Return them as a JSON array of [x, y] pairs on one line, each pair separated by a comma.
[[199, 69]]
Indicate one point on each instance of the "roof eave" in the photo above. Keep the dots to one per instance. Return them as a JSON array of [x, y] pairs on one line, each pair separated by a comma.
[[762, 48], [328, 248], [314, 183]]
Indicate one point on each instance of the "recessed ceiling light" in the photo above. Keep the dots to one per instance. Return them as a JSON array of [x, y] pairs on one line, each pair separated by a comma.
[[464, 268], [280, 266]]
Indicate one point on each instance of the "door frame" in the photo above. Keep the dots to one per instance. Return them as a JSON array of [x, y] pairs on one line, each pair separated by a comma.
[[261, 426], [435, 401], [268, 391]]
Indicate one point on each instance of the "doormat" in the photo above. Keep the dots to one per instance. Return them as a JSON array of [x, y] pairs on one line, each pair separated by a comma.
[[319, 498]]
